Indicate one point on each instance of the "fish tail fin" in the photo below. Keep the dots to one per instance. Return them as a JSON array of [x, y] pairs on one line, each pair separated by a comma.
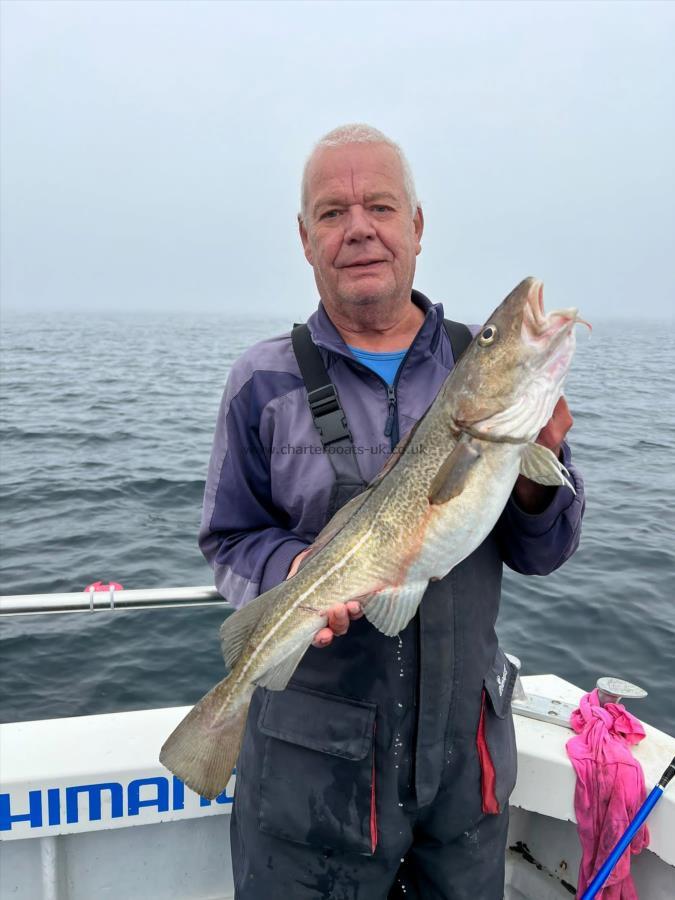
[[202, 750]]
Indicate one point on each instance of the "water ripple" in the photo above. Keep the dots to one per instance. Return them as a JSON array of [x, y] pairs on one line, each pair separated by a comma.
[[106, 431]]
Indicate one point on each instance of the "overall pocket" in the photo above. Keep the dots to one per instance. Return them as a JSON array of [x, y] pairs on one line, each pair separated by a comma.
[[496, 738], [318, 777]]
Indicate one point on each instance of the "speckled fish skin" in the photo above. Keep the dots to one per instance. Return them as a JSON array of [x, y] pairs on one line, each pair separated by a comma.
[[432, 505]]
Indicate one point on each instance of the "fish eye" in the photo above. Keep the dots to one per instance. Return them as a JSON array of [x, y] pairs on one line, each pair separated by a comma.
[[488, 335]]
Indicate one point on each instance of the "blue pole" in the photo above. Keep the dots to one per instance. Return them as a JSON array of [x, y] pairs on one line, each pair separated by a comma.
[[596, 885]]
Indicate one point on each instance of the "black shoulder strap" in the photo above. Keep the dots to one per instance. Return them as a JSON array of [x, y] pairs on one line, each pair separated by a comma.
[[328, 415], [460, 337], [329, 418]]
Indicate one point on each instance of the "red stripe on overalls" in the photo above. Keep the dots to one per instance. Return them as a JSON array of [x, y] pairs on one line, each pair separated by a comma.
[[373, 812], [487, 769]]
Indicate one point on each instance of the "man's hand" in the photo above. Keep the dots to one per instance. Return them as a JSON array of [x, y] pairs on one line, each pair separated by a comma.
[[532, 497], [554, 431], [339, 616]]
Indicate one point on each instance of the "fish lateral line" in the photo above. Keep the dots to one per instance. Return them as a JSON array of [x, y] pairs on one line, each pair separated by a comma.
[[312, 589]]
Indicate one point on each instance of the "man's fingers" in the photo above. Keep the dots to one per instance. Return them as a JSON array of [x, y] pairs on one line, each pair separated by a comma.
[[554, 432], [322, 638], [354, 609], [339, 617]]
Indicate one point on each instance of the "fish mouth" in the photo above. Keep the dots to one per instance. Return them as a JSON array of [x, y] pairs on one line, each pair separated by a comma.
[[545, 353], [550, 338], [541, 328]]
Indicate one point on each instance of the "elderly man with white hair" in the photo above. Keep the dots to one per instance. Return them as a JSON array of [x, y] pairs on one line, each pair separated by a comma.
[[385, 767]]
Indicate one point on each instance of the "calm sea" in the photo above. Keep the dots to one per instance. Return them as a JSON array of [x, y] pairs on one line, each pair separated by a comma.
[[106, 426]]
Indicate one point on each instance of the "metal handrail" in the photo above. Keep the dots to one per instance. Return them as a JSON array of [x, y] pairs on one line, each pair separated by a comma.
[[109, 600]]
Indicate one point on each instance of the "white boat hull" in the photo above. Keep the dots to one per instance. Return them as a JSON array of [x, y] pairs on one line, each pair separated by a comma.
[[89, 812]]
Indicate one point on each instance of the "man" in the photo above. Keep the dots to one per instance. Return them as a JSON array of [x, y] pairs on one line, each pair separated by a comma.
[[384, 769]]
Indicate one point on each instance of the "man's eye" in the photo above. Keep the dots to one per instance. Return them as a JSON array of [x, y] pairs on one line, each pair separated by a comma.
[[381, 208], [330, 214]]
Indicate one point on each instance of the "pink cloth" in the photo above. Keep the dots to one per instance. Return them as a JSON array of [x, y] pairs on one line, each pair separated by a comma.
[[610, 790]]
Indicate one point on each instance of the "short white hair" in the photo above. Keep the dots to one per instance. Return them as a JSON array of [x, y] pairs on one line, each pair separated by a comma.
[[359, 133]]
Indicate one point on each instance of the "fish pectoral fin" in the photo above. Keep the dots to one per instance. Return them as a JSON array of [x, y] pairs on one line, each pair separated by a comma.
[[540, 464], [238, 628], [450, 479], [276, 678], [391, 610]]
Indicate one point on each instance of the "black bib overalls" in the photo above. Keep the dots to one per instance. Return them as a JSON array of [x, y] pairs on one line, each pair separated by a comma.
[[384, 769]]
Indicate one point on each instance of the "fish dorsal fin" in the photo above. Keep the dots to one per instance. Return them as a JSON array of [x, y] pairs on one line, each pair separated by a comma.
[[336, 524], [540, 464], [276, 678], [345, 513], [392, 609], [450, 479], [238, 628]]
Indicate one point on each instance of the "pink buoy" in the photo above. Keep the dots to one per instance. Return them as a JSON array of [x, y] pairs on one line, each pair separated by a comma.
[[99, 586]]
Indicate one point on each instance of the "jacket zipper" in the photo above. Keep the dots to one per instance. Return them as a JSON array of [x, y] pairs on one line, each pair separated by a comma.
[[391, 399], [391, 428], [391, 423]]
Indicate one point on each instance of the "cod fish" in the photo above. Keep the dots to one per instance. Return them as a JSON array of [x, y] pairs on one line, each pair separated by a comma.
[[437, 498]]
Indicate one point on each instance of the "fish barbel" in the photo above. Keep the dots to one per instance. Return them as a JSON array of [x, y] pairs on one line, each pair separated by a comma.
[[434, 502]]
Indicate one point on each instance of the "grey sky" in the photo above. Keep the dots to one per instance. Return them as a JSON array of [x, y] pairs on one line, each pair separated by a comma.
[[152, 151]]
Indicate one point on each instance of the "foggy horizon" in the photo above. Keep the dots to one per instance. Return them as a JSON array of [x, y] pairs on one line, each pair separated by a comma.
[[151, 153]]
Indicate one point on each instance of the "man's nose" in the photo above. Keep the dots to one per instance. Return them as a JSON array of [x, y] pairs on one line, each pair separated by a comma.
[[359, 226]]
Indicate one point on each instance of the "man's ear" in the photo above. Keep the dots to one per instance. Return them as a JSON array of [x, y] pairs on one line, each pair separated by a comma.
[[304, 237], [418, 223]]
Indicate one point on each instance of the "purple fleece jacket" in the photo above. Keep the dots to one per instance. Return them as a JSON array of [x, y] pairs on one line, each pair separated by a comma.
[[269, 483]]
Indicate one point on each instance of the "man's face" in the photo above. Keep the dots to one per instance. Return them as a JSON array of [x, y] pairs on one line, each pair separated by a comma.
[[359, 235]]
